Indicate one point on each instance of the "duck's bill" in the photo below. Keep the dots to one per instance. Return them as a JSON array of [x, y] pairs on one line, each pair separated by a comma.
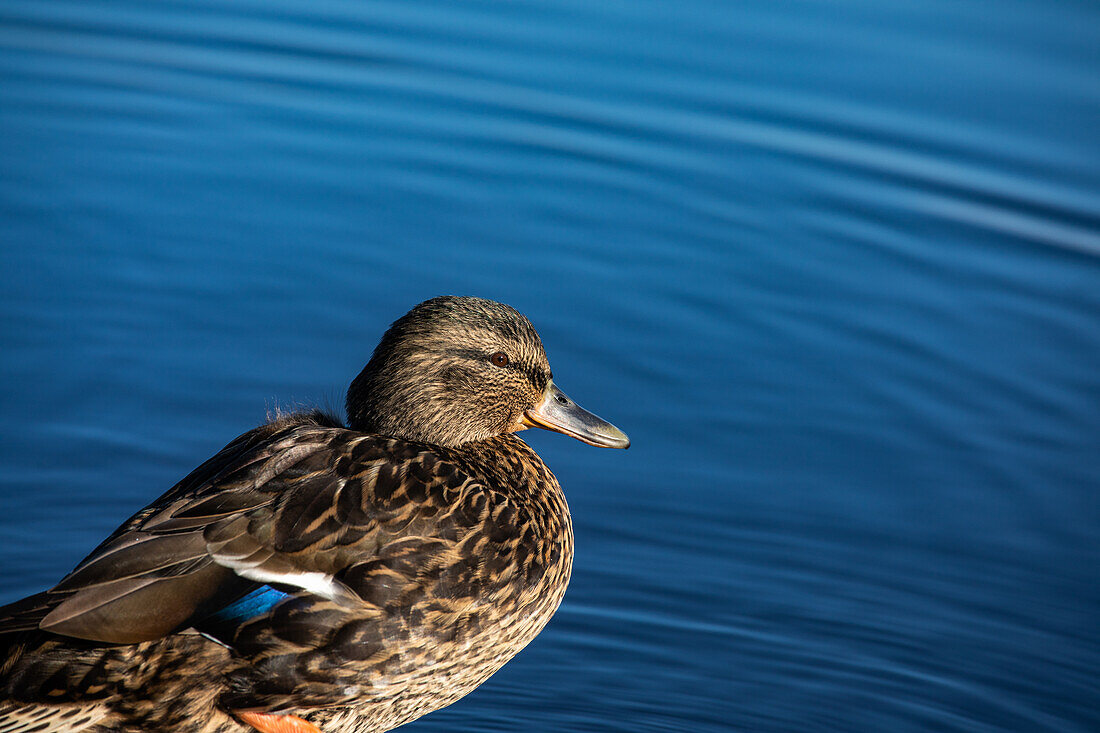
[[561, 414]]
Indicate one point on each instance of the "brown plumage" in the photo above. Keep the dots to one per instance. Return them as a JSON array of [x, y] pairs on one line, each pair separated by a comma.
[[354, 577]]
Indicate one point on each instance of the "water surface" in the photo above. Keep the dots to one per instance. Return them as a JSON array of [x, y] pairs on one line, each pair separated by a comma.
[[834, 266]]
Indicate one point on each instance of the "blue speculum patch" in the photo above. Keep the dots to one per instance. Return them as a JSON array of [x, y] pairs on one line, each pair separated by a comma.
[[259, 601]]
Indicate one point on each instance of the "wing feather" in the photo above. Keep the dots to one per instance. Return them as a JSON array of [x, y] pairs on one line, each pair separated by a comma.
[[157, 573], [293, 505]]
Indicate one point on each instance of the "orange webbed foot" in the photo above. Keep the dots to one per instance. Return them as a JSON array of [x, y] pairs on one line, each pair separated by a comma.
[[271, 723]]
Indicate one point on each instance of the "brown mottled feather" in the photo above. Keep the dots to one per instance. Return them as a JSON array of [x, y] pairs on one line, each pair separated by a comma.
[[438, 559]]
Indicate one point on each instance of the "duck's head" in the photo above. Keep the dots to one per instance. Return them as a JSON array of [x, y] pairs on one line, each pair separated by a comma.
[[455, 370]]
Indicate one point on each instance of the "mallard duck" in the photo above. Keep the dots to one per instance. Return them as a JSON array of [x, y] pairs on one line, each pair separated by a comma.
[[315, 576]]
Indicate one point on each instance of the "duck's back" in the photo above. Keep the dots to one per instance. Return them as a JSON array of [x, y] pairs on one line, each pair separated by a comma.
[[344, 577]]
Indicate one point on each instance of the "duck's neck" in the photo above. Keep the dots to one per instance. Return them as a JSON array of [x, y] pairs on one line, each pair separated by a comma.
[[510, 467], [507, 461]]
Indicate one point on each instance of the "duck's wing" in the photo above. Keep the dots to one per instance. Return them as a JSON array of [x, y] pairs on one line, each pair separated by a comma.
[[276, 506], [85, 587]]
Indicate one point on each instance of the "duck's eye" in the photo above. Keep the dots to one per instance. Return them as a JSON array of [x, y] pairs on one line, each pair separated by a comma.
[[499, 359]]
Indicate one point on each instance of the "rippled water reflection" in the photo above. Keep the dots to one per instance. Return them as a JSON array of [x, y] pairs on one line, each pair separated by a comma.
[[835, 267]]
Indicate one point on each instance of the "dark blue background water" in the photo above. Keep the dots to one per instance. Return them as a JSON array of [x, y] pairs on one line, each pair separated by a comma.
[[834, 266]]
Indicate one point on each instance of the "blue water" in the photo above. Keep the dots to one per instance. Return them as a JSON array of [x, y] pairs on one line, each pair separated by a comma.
[[834, 266]]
